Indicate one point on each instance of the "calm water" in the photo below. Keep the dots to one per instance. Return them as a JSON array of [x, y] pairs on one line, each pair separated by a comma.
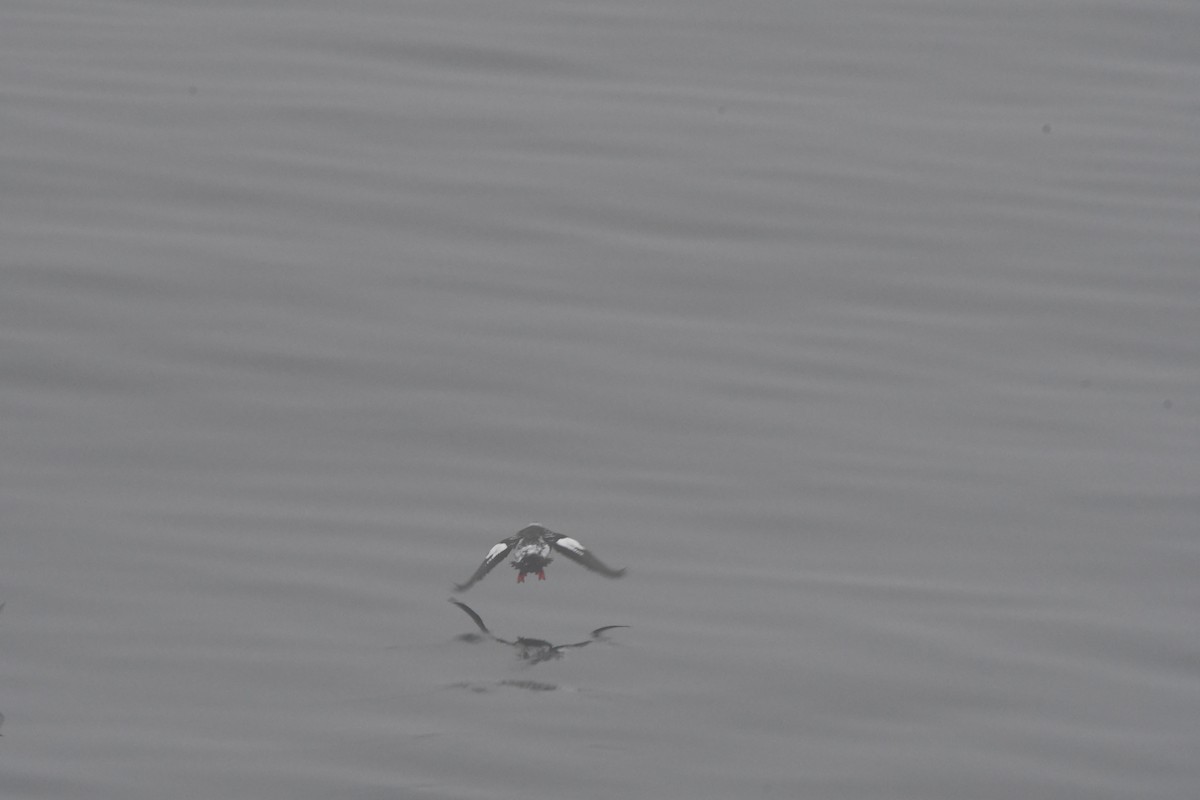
[[867, 335]]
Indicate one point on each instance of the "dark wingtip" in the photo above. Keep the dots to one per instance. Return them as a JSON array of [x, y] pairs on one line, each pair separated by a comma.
[[599, 632]]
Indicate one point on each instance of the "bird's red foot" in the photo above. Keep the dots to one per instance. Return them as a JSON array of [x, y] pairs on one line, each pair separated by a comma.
[[541, 574], [520, 577]]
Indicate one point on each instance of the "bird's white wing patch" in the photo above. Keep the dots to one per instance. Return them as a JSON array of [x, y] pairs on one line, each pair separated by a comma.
[[497, 551], [567, 543]]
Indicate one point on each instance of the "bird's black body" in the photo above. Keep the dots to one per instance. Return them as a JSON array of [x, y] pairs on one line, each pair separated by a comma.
[[531, 548]]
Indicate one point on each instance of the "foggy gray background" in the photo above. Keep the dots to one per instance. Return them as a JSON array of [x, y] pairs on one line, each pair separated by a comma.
[[866, 334]]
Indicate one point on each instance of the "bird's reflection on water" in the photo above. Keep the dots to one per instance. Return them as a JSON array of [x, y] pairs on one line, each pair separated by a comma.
[[529, 686], [534, 651]]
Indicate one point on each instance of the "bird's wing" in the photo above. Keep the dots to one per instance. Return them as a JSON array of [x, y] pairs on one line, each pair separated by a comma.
[[494, 557], [597, 635], [581, 555], [479, 621], [599, 632], [575, 644], [471, 613]]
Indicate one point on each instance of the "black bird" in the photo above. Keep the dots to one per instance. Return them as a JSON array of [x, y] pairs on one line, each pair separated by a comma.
[[530, 549], [534, 651]]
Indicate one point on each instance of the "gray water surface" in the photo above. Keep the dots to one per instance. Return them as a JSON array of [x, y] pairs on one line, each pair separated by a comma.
[[867, 335]]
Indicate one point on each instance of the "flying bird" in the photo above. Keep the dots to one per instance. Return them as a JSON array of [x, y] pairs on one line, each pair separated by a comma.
[[530, 549], [534, 651]]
